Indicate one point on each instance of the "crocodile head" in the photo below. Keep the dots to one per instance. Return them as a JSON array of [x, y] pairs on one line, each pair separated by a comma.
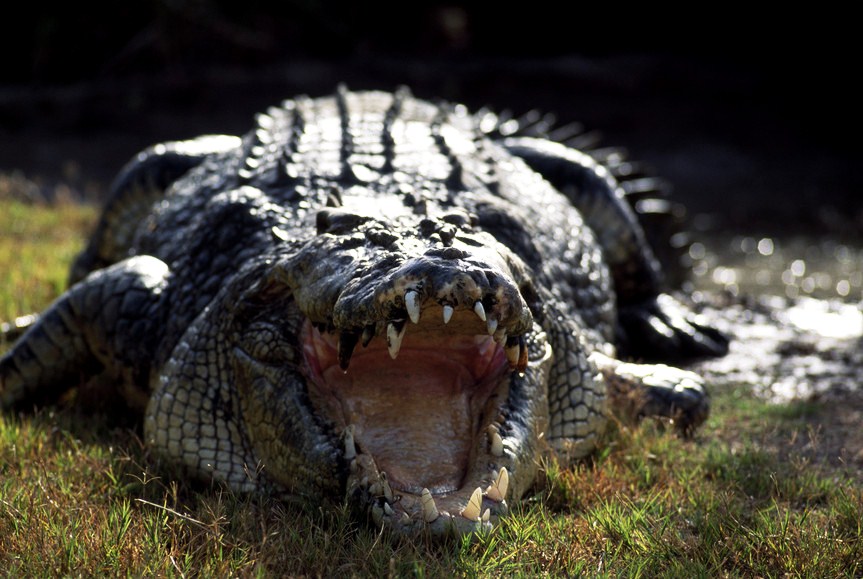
[[422, 371]]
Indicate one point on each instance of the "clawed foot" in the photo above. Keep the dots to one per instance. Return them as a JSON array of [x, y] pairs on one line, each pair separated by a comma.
[[663, 328], [643, 390]]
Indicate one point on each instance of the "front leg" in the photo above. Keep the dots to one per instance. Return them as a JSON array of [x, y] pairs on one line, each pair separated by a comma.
[[577, 399], [638, 391], [110, 322]]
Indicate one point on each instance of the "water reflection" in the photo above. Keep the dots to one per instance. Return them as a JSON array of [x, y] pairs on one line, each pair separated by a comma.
[[792, 267], [794, 309]]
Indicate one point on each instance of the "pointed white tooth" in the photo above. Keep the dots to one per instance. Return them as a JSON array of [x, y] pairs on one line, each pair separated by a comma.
[[430, 512], [388, 509], [405, 519], [412, 303], [479, 310], [493, 494], [350, 447], [496, 491], [375, 489], [502, 482], [495, 442], [492, 326], [512, 355], [394, 339], [386, 488], [447, 313], [486, 515], [471, 512]]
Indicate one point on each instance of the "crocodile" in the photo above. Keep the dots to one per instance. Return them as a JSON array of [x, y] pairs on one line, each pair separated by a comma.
[[375, 299]]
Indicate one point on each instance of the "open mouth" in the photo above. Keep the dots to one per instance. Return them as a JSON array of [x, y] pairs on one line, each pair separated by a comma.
[[420, 411]]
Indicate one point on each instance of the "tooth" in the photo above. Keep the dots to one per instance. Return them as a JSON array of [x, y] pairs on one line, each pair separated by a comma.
[[447, 313], [486, 515], [502, 482], [496, 442], [513, 353], [368, 334], [479, 310], [405, 518], [385, 487], [500, 336], [492, 326], [472, 510], [375, 489], [430, 512], [350, 448], [496, 491], [347, 343], [412, 303], [394, 338], [388, 509], [522, 356]]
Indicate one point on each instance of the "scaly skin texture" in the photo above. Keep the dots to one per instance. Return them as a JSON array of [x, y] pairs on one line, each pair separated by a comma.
[[370, 298]]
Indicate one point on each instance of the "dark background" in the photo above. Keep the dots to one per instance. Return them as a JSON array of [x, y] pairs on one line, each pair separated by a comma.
[[753, 117]]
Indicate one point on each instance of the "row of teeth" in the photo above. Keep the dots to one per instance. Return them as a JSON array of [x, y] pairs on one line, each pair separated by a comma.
[[514, 347], [413, 302], [496, 491]]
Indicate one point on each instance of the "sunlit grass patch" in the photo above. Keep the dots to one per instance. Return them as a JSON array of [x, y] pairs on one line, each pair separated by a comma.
[[37, 245]]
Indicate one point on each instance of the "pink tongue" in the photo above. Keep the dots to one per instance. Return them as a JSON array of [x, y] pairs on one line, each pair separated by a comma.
[[412, 415]]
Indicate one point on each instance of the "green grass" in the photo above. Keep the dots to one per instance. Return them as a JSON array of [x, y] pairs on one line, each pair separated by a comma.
[[37, 246], [80, 495]]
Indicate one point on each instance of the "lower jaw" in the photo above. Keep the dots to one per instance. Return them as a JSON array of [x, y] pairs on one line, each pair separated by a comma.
[[448, 496], [473, 508]]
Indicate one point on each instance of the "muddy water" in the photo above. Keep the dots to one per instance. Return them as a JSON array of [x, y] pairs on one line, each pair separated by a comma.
[[793, 309], [790, 267]]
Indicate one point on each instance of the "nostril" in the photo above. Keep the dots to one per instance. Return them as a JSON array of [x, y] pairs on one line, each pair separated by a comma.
[[453, 253], [338, 221], [322, 221], [459, 219]]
